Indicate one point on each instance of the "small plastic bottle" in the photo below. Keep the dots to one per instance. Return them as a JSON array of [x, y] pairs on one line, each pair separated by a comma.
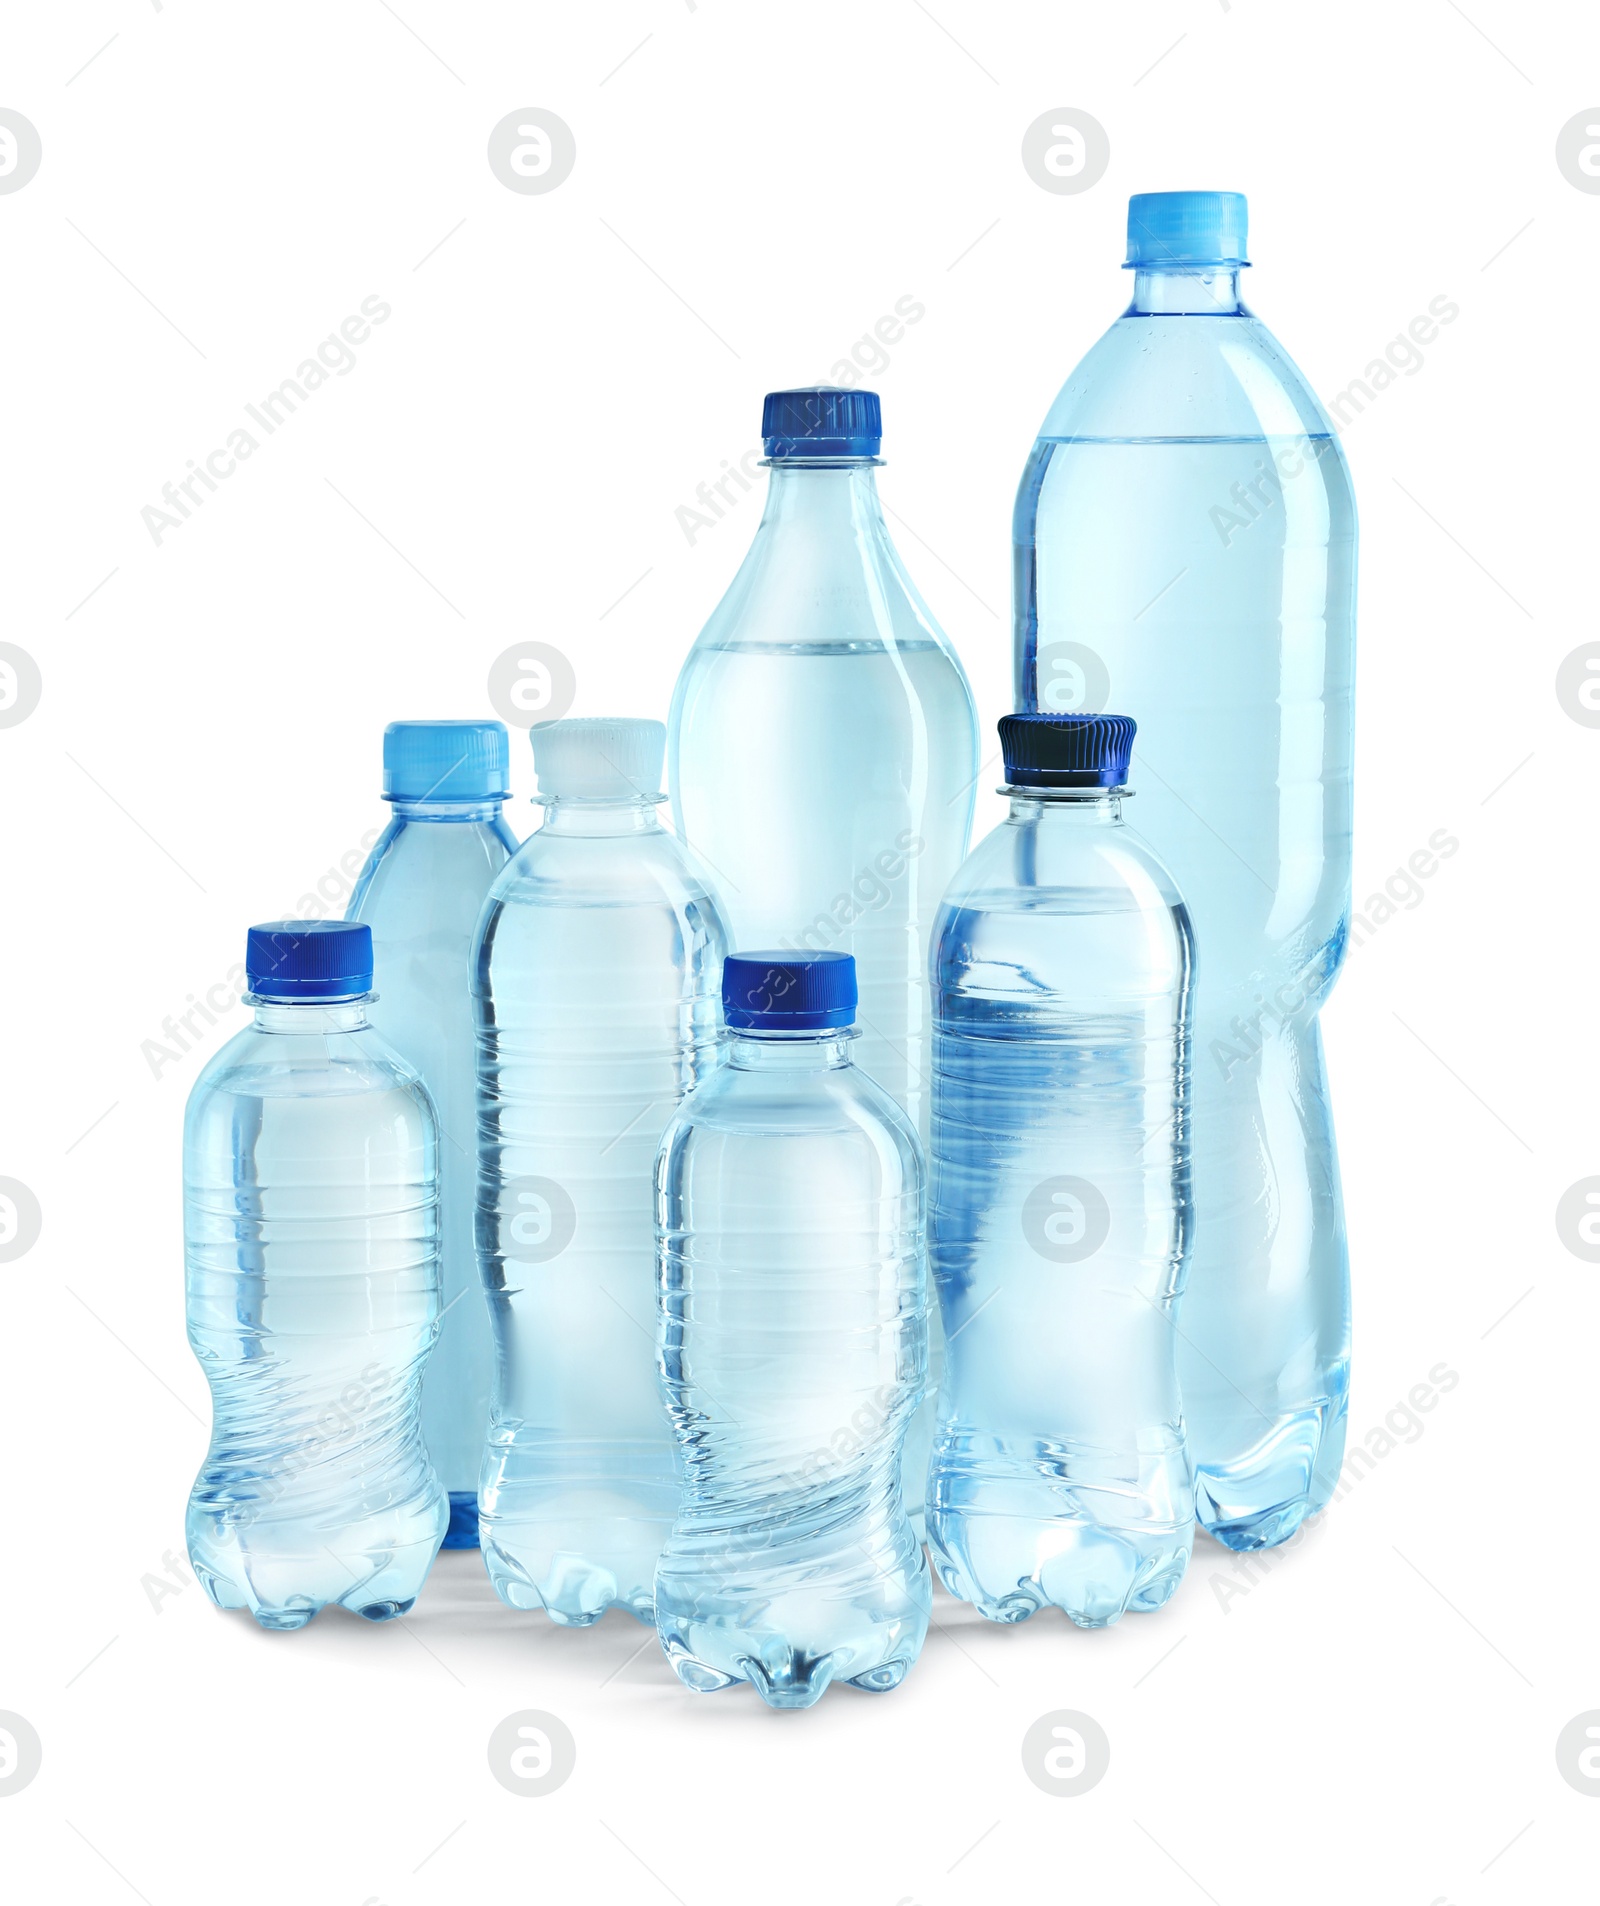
[[421, 892], [311, 1202], [596, 978], [789, 1197], [823, 751], [1063, 967]]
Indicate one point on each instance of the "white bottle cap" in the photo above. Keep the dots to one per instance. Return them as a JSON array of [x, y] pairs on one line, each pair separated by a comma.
[[599, 759]]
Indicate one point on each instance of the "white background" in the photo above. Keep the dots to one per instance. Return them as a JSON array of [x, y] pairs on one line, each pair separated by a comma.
[[1375, 1715]]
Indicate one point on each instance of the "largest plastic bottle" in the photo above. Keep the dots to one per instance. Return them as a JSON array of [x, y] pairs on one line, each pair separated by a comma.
[[823, 749], [1186, 551]]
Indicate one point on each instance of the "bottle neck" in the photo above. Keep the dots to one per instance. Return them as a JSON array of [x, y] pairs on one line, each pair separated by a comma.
[[1069, 807], [826, 499], [1186, 291], [572, 814], [487, 809], [312, 1015], [825, 1051]]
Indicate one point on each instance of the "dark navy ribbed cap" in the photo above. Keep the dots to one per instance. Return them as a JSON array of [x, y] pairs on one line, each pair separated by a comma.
[[821, 421], [789, 992], [1066, 751], [446, 761], [309, 959]]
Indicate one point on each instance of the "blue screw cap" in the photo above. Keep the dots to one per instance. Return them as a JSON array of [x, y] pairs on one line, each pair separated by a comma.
[[309, 959], [789, 992], [1186, 228], [446, 761], [1066, 751], [821, 421]]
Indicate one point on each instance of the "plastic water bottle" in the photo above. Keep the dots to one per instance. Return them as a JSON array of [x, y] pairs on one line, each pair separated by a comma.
[[1186, 549], [824, 749], [596, 976], [1060, 1211], [793, 1292], [311, 1236], [421, 892]]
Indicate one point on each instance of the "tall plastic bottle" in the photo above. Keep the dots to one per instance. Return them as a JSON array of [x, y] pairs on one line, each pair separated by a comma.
[[421, 892], [793, 1293], [1060, 1218], [311, 1236], [823, 754], [1186, 549], [595, 976]]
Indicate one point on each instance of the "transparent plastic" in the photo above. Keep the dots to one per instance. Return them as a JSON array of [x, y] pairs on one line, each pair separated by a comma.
[[1186, 553], [1060, 1218], [596, 978], [311, 1237], [793, 1308], [421, 892], [822, 762]]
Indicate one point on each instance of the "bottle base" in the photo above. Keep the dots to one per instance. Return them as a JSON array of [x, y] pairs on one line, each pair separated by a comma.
[[1259, 1498], [786, 1677], [808, 1633], [1018, 1524], [1011, 1567], [283, 1589], [567, 1537], [574, 1590]]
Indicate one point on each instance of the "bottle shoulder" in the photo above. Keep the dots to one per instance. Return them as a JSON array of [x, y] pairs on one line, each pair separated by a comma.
[[833, 1101], [1040, 855], [379, 857], [1072, 890], [314, 1065], [806, 593], [430, 869], [1178, 376], [568, 892], [558, 869]]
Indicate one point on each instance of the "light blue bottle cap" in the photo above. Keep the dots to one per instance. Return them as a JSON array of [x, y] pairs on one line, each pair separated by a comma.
[[446, 761], [1186, 228]]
